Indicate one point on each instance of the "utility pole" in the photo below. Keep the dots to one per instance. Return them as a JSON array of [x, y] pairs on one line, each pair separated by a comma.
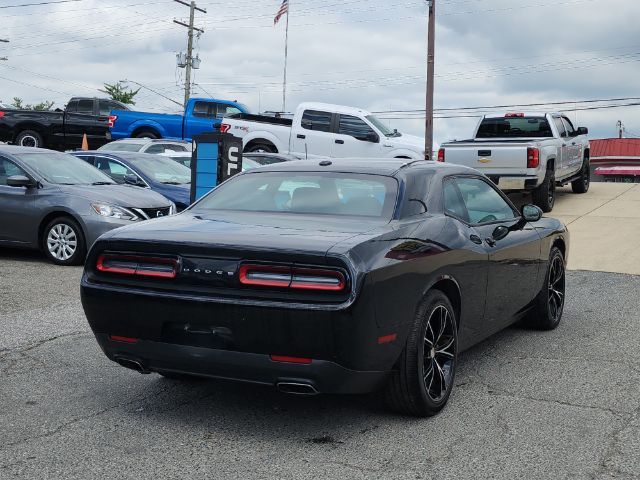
[[189, 62], [431, 36], [620, 126]]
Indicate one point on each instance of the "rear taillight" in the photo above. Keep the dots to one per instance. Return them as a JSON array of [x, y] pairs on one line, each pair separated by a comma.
[[296, 278], [158, 267], [265, 275], [112, 120], [533, 157], [224, 128], [441, 155]]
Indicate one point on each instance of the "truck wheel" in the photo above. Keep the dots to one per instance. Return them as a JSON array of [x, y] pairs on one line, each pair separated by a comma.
[[260, 148], [545, 195], [29, 138], [146, 134], [581, 185]]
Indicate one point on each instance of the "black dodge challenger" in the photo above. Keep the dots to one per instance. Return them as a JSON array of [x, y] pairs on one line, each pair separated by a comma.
[[328, 277]]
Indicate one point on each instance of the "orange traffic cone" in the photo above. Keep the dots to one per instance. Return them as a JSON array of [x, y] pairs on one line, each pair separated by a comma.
[[85, 142]]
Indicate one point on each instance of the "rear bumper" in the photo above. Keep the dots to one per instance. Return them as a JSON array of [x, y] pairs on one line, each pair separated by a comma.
[[324, 376], [528, 182]]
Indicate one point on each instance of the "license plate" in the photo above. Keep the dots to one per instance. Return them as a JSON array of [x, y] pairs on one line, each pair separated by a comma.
[[506, 183]]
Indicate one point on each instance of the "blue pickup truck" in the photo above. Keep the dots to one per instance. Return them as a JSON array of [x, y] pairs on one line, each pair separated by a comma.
[[201, 115]]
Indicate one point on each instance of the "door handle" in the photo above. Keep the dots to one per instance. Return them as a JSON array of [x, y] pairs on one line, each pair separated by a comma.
[[341, 142], [490, 241], [573, 143], [301, 136], [476, 239]]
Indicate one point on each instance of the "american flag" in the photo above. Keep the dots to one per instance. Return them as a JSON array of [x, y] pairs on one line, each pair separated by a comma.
[[284, 8]]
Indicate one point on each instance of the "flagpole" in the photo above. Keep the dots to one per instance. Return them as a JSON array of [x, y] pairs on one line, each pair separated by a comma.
[[286, 51]]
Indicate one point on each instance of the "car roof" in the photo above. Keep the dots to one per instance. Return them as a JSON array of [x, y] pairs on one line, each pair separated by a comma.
[[13, 149], [329, 107], [374, 166], [149, 140], [119, 154]]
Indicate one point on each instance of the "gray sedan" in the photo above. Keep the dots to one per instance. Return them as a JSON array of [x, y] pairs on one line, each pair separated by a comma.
[[60, 204]]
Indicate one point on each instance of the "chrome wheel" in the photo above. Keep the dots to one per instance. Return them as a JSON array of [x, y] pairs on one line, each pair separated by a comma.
[[62, 241], [28, 141], [439, 353], [556, 288]]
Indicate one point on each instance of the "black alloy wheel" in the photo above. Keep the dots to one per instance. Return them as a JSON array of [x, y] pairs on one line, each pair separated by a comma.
[[581, 185], [549, 304], [424, 374], [545, 195], [439, 353]]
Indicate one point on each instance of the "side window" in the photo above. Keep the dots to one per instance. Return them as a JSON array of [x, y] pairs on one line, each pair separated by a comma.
[[453, 203], [560, 126], [8, 169], [227, 110], [569, 126], [72, 107], [204, 110], [157, 148], [483, 203], [354, 127], [85, 107], [316, 120], [416, 195], [105, 107]]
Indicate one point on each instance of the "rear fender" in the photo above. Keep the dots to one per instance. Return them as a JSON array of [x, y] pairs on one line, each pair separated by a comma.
[[148, 124], [264, 135]]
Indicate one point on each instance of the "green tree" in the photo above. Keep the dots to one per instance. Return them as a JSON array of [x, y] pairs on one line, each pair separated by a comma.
[[45, 105], [119, 94]]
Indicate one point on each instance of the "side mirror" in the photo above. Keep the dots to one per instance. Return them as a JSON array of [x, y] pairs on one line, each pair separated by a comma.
[[19, 181], [531, 213], [582, 131], [372, 137], [500, 232], [131, 179]]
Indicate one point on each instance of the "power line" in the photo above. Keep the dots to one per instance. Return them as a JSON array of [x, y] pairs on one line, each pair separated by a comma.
[[40, 3]]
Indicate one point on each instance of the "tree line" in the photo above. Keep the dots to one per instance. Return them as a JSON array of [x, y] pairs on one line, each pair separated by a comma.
[[116, 92]]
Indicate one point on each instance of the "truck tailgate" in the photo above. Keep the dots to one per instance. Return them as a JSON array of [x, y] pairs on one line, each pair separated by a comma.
[[489, 157]]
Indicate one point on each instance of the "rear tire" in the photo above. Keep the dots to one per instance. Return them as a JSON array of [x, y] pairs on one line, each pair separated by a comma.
[[261, 148], [63, 242], [545, 195], [549, 304], [581, 185], [29, 138], [146, 134], [424, 374]]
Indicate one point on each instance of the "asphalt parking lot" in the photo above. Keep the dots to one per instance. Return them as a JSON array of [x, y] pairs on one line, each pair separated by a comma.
[[527, 404]]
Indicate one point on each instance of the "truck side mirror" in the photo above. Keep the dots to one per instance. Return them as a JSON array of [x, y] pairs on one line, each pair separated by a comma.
[[372, 137], [582, 131], [19, 181]]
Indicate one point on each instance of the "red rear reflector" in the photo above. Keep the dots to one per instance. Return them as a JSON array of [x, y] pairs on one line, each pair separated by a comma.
[[2, 114], [441, 155], [513, 115], [137, 265], [224, 127], [387, 338], [286, 359], [118, 338], [316, 279], [533, 157], [112, 120], [265, 275]]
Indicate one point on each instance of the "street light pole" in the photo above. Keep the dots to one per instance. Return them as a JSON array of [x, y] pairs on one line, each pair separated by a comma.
[[428, 137]]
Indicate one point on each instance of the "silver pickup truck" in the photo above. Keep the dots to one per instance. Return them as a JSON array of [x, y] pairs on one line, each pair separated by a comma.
[[526, 151]]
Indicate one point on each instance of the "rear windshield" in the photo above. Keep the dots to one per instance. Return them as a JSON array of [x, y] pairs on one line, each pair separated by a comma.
[[122, 146], [316, 193], [515, 127]]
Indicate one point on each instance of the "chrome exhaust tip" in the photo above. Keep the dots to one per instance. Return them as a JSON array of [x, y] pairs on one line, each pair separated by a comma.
[[293, 388], [132, 364]]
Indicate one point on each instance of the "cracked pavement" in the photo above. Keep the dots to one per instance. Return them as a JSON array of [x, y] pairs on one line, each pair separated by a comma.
[[527, 404]]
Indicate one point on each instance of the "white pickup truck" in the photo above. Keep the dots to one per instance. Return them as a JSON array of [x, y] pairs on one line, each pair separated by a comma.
[[526, 151], [319, 129]]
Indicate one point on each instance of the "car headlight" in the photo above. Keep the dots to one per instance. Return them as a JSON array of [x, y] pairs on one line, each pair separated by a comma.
[[113, 211]]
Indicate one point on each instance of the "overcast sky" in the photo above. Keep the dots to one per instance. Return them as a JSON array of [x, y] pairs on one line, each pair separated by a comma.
[[366, 53]]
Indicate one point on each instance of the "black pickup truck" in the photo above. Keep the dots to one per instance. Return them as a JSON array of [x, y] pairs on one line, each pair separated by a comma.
[[60, 129]]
